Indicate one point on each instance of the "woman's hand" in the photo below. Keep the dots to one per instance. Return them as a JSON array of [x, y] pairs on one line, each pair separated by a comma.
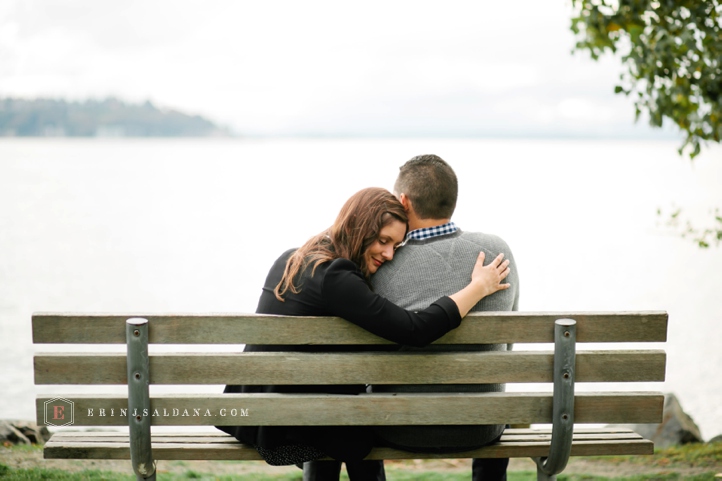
[[488, 278], [485, 280]]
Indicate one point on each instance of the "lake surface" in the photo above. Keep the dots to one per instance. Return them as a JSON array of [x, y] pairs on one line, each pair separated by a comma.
[[193, 226]]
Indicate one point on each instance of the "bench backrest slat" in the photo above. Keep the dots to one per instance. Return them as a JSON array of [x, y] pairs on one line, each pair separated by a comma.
[[399, 409], [97, 364], [350, 368], [476, 328]]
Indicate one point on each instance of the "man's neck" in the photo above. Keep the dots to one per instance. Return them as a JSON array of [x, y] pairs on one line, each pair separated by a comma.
[[416, 223]]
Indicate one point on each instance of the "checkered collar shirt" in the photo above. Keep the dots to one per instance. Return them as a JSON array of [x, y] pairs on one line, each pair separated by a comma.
[[429, 232]]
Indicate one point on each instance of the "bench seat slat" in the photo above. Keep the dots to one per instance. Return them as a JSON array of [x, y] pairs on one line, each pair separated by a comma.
[[350, 368], [212, 433], [225, 439], [476, 328], [171, 446], [365, 409]]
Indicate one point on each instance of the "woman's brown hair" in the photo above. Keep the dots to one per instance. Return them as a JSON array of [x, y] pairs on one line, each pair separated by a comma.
[[357, 227]]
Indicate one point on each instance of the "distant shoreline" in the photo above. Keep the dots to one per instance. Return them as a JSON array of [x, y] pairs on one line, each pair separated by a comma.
[[108, 118]]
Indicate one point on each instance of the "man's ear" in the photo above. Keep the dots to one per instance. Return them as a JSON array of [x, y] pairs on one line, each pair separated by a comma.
[[405, 201]]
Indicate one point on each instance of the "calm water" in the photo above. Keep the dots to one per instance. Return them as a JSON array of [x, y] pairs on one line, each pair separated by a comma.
[[193, 225]]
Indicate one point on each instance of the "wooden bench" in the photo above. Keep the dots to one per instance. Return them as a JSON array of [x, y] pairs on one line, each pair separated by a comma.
[[561, 366]]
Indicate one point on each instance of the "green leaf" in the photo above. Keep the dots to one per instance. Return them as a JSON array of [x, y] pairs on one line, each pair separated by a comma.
[[670, 54]]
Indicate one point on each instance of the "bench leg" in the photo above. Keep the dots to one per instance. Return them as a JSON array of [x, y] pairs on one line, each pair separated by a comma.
[[136, 333], [542, 476], [565, 337], [138, 477]]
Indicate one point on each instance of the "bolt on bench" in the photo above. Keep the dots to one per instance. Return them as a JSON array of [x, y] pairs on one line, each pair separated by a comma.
[[551, 448]]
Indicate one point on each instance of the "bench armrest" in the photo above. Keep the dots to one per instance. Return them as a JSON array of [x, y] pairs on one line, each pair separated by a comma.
[[563, 407], [136, 333]]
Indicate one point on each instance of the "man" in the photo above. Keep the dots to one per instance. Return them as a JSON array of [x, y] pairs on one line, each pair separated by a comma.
[[437, 259]]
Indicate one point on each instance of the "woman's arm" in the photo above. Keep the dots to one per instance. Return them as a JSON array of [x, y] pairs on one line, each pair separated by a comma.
[[485, 280], [347, 295]]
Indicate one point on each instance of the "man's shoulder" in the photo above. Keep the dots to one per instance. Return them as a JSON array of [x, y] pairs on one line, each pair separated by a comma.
[[455, 244], [483, 239], [444, 252]]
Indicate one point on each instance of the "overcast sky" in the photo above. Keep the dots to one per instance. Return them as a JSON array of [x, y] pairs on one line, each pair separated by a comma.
[[392, 67]]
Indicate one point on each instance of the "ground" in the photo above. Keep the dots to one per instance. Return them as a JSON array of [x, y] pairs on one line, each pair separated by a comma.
[[661, 463]]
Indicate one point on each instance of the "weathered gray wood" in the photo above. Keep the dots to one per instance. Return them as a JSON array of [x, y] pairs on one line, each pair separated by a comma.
[[215, 436], [367, 409], [189, 446], [138, 374], [349, 368], [214, 452], [222, 438], [476, 328], [565, 345]]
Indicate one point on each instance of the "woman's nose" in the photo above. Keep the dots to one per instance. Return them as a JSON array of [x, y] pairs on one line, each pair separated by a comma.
[[388, 253]]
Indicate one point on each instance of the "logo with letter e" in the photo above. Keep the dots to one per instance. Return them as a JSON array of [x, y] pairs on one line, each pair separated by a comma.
[[58, 412]]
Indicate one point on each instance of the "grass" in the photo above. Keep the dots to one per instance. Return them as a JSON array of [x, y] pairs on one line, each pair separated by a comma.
[[39, 474], [669, 465], [698, 455]]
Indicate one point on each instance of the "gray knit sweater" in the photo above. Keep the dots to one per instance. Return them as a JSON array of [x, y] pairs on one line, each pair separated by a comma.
[[420, 273]]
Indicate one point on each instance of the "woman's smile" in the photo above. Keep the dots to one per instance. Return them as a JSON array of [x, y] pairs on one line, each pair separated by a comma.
[[382, 249]]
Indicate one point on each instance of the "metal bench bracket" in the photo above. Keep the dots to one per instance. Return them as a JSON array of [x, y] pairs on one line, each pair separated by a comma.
[[563, 409], [136, 333]]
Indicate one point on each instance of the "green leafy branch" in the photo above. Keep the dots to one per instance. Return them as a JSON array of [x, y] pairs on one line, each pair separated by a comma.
[[672, 54], [702, 237]]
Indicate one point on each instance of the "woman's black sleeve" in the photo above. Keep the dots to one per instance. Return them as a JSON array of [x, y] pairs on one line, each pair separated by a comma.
[[347, 295]]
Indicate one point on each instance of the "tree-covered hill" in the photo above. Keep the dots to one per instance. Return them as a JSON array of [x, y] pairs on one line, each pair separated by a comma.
[[98, 118]]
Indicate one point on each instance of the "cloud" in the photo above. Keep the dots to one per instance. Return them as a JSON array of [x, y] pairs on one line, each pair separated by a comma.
[[319, 67], [580, 109]]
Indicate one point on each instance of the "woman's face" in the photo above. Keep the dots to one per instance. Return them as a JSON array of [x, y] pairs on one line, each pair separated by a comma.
[[382, 249]]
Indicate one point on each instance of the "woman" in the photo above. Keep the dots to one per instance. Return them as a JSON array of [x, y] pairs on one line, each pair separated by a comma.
[[328, 276]]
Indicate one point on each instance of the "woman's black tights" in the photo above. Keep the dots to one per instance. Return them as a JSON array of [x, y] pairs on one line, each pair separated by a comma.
[[331, 470]]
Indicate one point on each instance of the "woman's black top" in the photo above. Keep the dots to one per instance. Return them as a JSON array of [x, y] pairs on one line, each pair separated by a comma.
[[337, 288]]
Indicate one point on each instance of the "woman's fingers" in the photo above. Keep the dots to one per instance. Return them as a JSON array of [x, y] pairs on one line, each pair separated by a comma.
[[504, 274], [493, 274], [504, 269], [497, 260], [479, 261], [501, 267]]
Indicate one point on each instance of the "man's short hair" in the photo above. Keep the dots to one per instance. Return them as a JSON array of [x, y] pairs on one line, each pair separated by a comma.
[[431, 185]]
